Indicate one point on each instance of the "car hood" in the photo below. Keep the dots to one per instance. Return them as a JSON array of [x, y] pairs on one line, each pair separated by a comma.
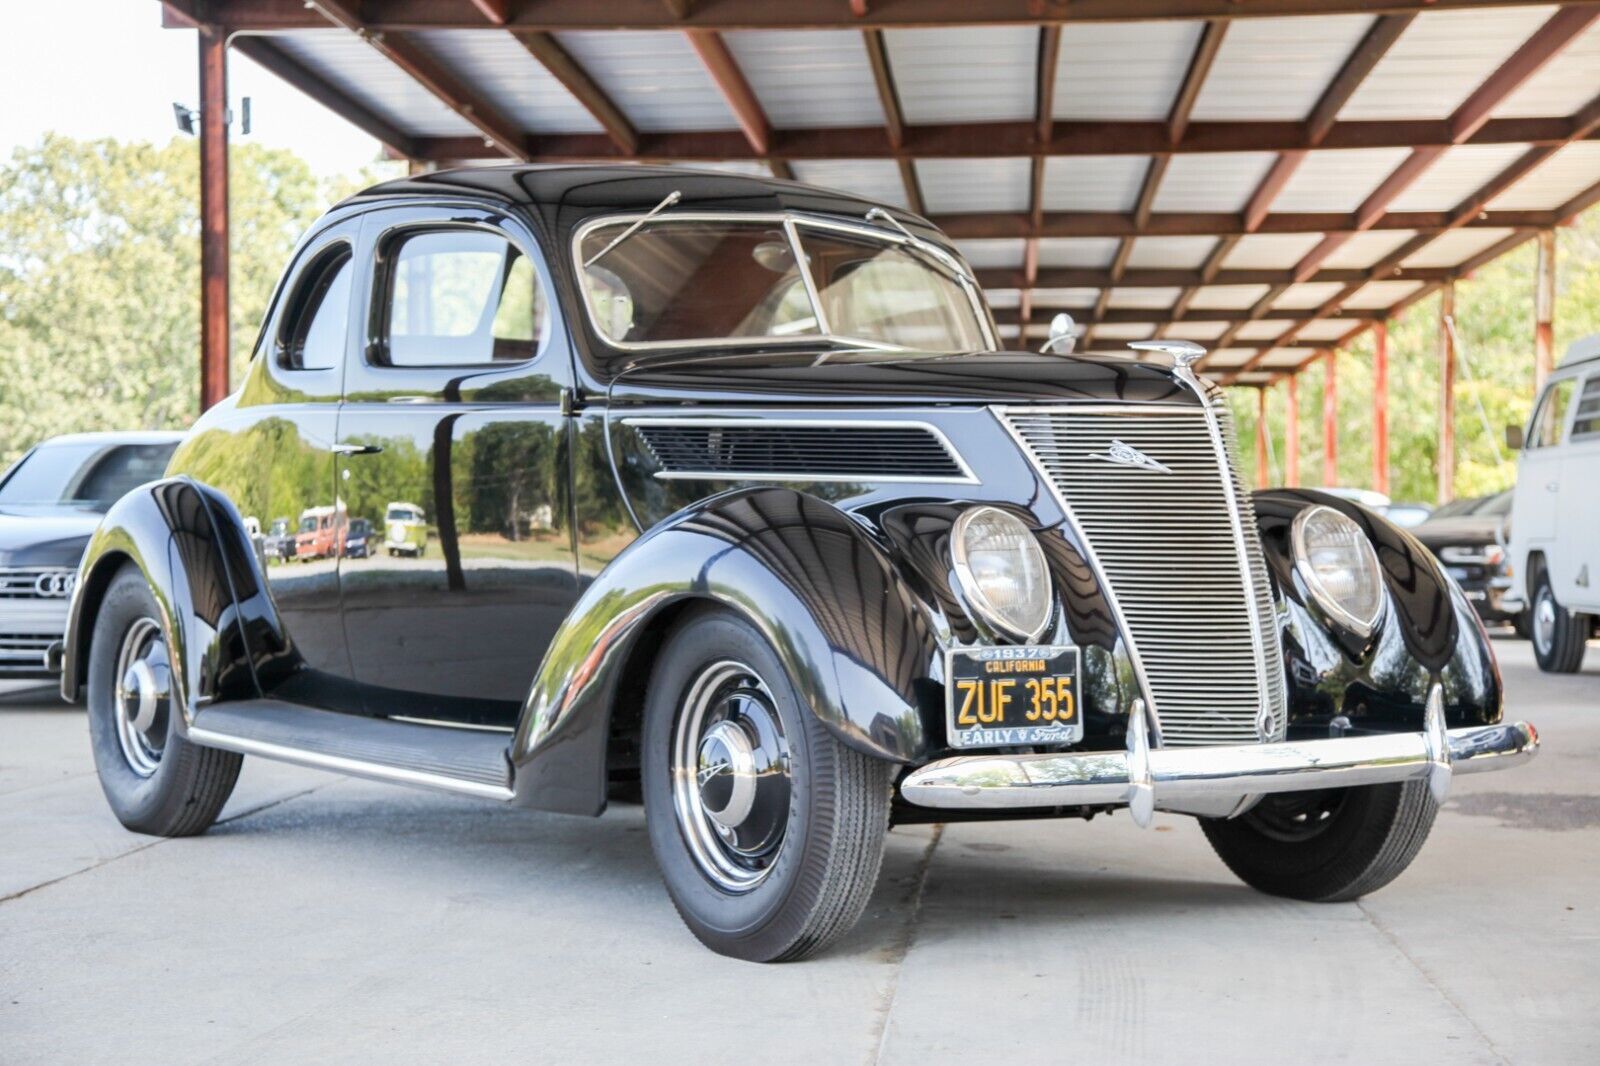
[[871, 376], [45, 536], [1468, 529]]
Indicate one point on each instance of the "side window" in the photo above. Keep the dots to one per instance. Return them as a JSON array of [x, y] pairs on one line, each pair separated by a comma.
[[1552, 418], [1586, 420], [460, 297], [312, 335]]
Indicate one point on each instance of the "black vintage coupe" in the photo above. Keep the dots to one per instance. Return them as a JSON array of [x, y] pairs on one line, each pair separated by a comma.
[[739, 503]]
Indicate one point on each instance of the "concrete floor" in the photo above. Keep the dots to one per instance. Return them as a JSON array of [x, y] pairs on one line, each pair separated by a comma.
[[328, 920]]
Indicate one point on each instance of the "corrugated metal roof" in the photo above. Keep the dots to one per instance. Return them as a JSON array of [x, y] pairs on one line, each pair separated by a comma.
[[1263, 329], [1362, 250], [518, 84], [1270, 251], [1122, 71], [1171, 252], [1077, 251], [1227, 297], [1376, 295], [1297, 57], [1563, 86], [1142, 298], [1455, 177], [809, 78], [1554, 182], [997, 253], [969, 74], [1069, 298], [951, 185], [1093, 183], [360, 72], [1448, 249], [1323, 329], [1307, 295], [1338, 180], [1222, 181], [653, 76], [876, 179], [1440, 59]]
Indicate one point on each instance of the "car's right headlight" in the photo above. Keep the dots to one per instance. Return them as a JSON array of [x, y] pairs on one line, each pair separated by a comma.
[[1002, 571], [1335, 559]]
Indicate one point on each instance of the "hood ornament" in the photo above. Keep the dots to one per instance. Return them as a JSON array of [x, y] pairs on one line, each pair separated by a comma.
[[1184, 353], [1127, 455]]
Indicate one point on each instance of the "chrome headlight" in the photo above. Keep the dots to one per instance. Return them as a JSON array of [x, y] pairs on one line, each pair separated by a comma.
[[1336, 561], [1002, 571]]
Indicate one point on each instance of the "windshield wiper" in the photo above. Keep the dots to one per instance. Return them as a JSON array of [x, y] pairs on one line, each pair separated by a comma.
[[929, 251], [671, 198]]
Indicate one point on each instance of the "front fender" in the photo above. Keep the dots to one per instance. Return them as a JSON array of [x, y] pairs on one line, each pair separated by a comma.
[[169, 530], [820, 589], [1429, 632]]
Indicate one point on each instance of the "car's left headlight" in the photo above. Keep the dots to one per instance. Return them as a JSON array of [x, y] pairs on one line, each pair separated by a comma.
[[1336, 561], [1002, 571]]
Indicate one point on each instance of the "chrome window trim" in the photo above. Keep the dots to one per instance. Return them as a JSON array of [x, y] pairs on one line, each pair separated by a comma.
[[1001, 415], [967, 477], [1183, 369], [789, 221], [1362, 627]]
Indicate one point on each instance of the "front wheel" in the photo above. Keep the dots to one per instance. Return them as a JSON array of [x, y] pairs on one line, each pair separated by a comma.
[[768, 830], [1329, 846], [1558, 634], [156, 781]]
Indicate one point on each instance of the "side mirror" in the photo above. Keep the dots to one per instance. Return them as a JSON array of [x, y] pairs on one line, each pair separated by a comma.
[[1061, 337], [1514, 438]]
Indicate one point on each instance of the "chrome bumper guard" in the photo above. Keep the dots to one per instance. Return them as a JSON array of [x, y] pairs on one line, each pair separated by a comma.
[[1144, 778]]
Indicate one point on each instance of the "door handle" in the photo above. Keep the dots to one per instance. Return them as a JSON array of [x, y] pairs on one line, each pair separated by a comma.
[[356, 449]]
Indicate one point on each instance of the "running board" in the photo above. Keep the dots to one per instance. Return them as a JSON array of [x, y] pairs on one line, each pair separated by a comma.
[[466, 761]]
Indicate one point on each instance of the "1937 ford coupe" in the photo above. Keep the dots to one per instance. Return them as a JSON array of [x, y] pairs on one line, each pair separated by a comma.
[[733, 499]]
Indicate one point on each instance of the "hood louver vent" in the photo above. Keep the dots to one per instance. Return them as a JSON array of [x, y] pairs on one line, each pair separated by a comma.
[[762, 450]]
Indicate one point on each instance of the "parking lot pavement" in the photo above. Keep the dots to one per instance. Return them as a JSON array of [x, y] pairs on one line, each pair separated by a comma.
[[331, 920]]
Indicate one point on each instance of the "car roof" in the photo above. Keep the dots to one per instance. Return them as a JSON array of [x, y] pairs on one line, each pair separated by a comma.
[[140, 436], [1582, 350]]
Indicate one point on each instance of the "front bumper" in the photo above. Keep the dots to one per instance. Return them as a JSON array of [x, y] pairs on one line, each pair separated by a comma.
[[1215, 779]]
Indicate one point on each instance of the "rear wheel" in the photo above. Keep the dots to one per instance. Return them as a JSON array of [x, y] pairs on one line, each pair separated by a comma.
[[1328, 846], [155, 781], [769, 832], [1558, 634]]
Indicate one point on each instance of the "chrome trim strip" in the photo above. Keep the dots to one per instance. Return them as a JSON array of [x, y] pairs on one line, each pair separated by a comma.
[[353, 767], [1280, 715], [789, 220], [967, 476], [1002, 415], [1176, 775]]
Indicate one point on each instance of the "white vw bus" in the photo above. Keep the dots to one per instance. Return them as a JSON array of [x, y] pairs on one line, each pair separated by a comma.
[[1555, 516]]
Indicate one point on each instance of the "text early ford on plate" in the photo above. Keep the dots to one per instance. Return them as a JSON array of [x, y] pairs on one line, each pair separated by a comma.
[[997, 697]]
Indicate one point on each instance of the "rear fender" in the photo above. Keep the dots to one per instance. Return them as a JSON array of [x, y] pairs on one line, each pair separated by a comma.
[[171, 531], [808, 576]]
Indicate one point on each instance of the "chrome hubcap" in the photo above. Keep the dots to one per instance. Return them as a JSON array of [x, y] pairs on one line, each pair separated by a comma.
[[1544, 621], [143, 696], [731, 775]]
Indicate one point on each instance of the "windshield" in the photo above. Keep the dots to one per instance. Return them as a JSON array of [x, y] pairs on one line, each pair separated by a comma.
[[83, 473], [400, 514], [698, 281]]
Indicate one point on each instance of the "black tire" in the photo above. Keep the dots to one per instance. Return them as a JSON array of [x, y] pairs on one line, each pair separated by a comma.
[[1330, 846], [1558, 635], [183, 791], [820, 872]]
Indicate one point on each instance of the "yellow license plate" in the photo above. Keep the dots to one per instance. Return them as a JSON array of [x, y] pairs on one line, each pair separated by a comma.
[[1004, 696]]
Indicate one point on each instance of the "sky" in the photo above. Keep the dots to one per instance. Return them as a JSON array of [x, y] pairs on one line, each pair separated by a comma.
[[119, 73]]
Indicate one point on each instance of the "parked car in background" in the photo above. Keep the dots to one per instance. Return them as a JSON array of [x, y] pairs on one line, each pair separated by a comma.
[[405, 530], [1555, 512], [321, 533], [1469, 536], [1404, 515], [823, 558], [278, 542], [358, 539], [50, 502]]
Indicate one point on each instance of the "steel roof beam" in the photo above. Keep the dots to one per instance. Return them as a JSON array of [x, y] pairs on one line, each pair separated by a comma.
[[555, 15]]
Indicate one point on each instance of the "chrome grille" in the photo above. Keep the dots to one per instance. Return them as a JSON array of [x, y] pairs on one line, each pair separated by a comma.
[[1183, 563], [780, 450], [25, 651], [36, 582]]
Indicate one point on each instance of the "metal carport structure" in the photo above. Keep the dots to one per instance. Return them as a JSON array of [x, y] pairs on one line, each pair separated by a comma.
[[1270, 178]]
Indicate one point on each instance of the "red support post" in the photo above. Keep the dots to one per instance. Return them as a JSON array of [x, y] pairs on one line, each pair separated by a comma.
[[214, 331], [1544, 307], [1380, 407], [1447, 394], [1263, 471], [1330, 421], [1291, 433]]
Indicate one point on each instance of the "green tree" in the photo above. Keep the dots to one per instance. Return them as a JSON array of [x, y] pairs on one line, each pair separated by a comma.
[[99, 278]]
